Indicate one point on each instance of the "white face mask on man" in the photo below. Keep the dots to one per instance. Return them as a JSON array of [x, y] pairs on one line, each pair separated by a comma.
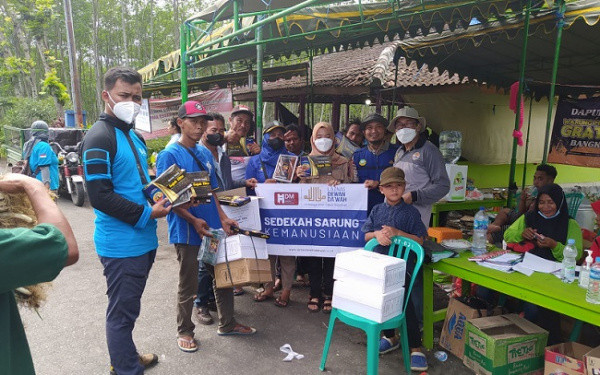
[[406, 135], [323, 144], [125, 111]]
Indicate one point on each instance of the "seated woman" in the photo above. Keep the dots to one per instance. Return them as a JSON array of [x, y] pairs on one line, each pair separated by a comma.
[[544, 232], [546, 228]]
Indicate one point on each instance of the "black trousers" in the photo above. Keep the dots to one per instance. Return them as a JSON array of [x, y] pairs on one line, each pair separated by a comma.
[[320, 274]]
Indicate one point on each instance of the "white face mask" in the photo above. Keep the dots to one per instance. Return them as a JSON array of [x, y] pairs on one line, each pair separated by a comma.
[[323, 144], [406, 135], [125, 111]]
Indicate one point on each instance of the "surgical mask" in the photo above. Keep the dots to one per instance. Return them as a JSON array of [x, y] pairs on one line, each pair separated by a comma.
[[125, 111], [323, 144], [275, 143], [406, 135], [214, 139], [549, 217]]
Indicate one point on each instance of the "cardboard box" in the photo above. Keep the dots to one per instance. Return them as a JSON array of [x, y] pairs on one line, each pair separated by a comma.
[[376, 272], [565, 359], [366, 302], [242, 272], [505, 344], [592, 362], [241, 246], [453, 331]]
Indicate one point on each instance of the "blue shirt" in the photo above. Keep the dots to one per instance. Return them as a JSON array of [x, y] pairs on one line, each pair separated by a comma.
[[402, 216], [369, 167], [180, 231], [123, 224], [42, 155]]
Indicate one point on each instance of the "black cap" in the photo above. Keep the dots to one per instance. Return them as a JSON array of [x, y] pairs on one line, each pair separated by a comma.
[[272, 126]]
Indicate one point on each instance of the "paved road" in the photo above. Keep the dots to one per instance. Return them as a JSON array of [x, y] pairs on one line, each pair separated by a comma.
[[69, 339]]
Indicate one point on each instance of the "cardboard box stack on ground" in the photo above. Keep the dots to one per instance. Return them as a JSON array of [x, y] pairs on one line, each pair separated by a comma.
[[565, 359], [452, 337], [592, 361], [369, 285], [505, 344]]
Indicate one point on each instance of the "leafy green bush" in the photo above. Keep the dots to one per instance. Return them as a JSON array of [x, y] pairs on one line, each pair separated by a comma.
[[21, 112], [156, 145]]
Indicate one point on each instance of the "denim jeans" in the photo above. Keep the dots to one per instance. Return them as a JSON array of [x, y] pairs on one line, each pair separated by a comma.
[[205, 287]]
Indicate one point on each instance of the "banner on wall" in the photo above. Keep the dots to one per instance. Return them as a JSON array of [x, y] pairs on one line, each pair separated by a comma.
[[160, 111], [313, 219], [576, 134]]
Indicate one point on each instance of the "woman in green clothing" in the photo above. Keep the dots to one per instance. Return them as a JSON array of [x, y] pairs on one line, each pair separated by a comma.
[[548, 226], [546, 230]]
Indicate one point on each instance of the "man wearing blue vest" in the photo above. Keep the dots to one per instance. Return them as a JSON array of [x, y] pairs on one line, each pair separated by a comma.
[[43, 162], [371, 160], [187, 226], [114, 159]]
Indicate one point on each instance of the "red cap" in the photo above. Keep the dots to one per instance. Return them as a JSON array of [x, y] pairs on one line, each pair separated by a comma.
[[192, 108], [596, 207], [241, 109]]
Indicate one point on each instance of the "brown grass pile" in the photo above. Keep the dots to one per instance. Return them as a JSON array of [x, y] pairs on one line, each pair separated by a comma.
[[16, 211]]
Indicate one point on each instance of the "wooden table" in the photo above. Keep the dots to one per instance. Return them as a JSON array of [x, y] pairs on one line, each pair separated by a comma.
[[443, 206], [541, 289]]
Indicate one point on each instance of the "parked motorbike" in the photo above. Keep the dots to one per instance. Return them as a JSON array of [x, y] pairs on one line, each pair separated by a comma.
[[70, 172]]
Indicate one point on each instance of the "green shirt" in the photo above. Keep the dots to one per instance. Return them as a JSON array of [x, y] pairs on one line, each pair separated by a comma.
[[513, 234], [27, 256]]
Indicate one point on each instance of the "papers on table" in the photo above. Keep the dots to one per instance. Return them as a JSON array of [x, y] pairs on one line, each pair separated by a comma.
[[502, 261], [533, 263]]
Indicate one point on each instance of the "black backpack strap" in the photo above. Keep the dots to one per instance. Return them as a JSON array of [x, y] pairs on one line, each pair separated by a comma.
[[137, 160], [200, 165]]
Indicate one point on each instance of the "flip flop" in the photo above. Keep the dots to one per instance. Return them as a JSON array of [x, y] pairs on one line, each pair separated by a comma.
[[190, 341], [327, 306], [236, 331], [281, 302]]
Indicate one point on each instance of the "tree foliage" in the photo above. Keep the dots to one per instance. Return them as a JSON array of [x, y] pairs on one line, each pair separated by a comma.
[[34, 63]]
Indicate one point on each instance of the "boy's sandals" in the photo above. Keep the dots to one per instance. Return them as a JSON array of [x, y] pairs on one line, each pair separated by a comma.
[[187, 344], [313, 305], [280, 302], [327, 305]]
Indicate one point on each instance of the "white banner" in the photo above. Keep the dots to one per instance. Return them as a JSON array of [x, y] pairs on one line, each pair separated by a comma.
[[313, 219]]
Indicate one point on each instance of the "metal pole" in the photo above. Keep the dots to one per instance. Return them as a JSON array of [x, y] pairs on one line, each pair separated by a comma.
[[259, 84], [312, 91], [75, 81], [183, 63], [513, 160], [236, 14], [527, 144], [561, 23]]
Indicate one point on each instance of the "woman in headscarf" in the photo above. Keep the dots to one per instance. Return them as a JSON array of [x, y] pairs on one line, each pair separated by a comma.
[[320, 269], [547, 228], [261, 167], [544, 232]]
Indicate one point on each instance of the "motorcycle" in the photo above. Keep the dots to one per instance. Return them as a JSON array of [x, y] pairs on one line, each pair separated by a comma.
[[70, 171]]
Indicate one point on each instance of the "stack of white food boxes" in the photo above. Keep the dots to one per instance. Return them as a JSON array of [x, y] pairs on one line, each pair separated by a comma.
[[240, 246], [369, 284]]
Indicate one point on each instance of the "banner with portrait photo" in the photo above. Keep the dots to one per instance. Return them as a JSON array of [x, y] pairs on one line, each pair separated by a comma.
[[313, 219], [576, 133]]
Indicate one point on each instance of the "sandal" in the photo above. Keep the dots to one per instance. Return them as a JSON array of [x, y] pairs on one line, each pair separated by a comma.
[[261, 297], [327, 305], [277, 287], [280, 302], [192, 344], [314, 303]]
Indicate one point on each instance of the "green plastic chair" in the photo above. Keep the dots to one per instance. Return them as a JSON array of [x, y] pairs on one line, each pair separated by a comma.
[[401, 247], [573, 201]]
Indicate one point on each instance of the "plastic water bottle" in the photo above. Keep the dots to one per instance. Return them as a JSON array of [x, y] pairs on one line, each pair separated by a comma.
[[450, 145], [441, 355], [568, 262], [584, 272], [480, 226], [593, 292]]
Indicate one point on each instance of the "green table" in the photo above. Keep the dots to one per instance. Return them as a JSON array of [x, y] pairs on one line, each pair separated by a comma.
[[541, 289], [443, 206]]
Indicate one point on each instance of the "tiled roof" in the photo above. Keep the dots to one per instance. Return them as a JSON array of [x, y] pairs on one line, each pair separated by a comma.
[[363, 68]]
